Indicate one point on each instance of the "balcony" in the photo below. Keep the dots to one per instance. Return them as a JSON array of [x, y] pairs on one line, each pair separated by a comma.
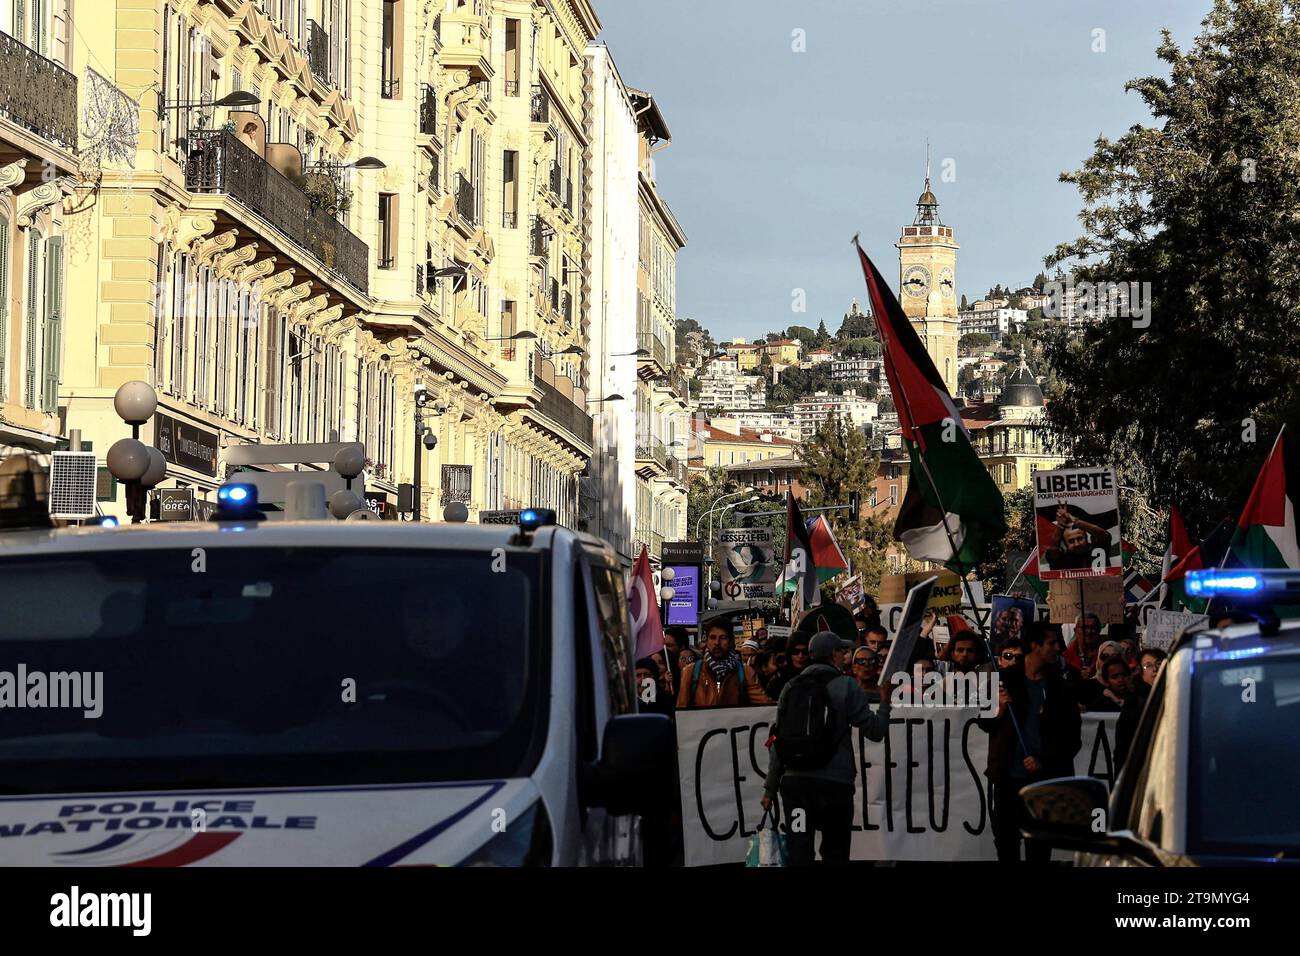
[[466, 43], [652, 541], [538, 235], [561, 410], [512, 87], [428, 110], [37, 94], [390, 88], [465, 205], [651, 457], [509, 220], [318, 52], [219, 163], [677, 470], [655, 346], [541, 106]]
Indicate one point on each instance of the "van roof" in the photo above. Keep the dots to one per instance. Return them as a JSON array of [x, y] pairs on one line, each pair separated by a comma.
[[325, 533]]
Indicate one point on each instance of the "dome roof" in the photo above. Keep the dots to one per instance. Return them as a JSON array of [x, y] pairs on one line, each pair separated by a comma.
[[1021, 388], [928, 199]]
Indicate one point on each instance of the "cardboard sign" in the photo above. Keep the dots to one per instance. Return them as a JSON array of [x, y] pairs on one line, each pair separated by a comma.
[[901, 647], [1163, 626], [749, 563], [1076, 519], [1066, 599], [946, 598]]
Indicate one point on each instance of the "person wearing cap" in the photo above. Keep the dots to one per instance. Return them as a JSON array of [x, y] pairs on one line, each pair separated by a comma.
[[749, 650], [721, 678], [821, 799]]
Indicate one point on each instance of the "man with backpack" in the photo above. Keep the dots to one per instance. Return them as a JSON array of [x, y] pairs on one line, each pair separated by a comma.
[[721, 679], [811, 762]]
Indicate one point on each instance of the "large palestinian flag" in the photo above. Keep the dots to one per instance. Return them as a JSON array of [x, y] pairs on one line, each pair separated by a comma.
[[947, 479], [827, 557], [1266, 532]]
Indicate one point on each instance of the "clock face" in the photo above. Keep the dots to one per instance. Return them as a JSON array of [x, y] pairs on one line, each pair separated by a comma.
[[916, 281], [946, 285]]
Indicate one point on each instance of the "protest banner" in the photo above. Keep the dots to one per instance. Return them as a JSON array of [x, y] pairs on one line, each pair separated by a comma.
[[1076, 519], [946, 598], [1101, 596], [1163, 626], [749, 563], [932, 804]]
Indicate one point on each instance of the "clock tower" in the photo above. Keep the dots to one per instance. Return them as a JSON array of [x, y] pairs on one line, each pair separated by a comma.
[[927, 263]]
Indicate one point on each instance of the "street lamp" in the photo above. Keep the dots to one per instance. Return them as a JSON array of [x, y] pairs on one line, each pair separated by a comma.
[[666, 593], [429, 441], [234, 99], [129, 459], [364, 163], [616, 397]]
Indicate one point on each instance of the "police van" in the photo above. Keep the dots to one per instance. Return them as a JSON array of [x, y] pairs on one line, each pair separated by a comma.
[[1210, 779], [245, 692]]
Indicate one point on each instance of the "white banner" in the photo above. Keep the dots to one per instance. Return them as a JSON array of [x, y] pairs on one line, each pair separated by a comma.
[[931, 805]]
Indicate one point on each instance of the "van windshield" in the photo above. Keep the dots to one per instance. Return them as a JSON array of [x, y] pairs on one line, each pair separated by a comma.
[[1243, 781], [249, 667]]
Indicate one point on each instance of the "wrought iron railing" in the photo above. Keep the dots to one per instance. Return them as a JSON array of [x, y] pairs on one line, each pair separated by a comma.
[[541, 105], [318, 52], [465, 204], [428, 110], [537, 237], [653, 542], [676, 469], [219, 163], [512, 87], [390, 88], [649, 448], [561, 410], [37, 94], [509, 220]]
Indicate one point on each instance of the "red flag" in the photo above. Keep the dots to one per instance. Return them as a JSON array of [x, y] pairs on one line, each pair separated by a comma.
[[1180, 544], [643, 602]]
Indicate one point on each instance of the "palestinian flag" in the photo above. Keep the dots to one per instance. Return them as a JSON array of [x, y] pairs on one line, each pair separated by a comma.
[[800, 563], [1029, 574], [952, 507], [1266, 532], [828, 559], [1136, 584], [1210, 553]]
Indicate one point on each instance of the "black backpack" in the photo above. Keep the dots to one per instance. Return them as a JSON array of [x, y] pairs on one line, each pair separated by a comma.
[[806, 737]]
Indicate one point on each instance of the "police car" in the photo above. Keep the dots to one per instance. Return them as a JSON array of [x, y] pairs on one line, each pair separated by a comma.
[[1211, 777], [247, 692]]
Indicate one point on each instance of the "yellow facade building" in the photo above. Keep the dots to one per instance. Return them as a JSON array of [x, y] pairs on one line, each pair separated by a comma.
[[288, 215], [927, 264]]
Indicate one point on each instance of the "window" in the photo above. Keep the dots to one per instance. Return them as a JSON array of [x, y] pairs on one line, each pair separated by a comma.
[[387, 229], [512, 57], [508, 320], [4, 306], [32, 336], [510, 188], [390, 59]]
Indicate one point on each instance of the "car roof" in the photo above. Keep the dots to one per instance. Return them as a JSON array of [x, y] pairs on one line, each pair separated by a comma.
[[1241, 640], [281, 534]]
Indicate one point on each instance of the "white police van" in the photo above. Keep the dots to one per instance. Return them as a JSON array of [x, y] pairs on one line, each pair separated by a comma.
[[247, 692], [1210, 779]]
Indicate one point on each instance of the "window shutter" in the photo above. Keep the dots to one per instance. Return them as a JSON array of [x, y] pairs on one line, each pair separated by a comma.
[[4, 306], [53, 323], [40, 36], [29, 383], [20, 20]]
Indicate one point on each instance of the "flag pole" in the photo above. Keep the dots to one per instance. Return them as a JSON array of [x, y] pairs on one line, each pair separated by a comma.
[[943, 511]]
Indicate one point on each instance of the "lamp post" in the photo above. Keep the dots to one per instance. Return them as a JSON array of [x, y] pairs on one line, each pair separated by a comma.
[[666, 594], [423, 442], [129, 459]]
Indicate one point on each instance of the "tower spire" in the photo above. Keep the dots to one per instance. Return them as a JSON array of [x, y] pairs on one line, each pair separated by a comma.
[[927, 164]]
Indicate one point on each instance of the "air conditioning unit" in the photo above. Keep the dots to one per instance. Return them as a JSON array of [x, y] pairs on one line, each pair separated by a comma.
[[72, 484]]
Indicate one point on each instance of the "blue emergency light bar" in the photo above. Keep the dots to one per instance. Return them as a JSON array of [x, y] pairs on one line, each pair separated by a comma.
[[1241, 583], [530, 519], [237, 502]]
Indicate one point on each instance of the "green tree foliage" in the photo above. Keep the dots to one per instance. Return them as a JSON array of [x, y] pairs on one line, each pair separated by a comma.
[[838, 460], [974, 341], [801, 332], [856, 326], [797, 382], [1202, 205]]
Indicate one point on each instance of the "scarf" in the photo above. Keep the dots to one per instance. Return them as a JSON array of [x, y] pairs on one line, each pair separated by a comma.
[[721, 667]]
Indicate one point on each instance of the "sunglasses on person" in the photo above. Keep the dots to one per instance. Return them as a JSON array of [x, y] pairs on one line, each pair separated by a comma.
[[799, 652], [1010, 656], [1151, 666]]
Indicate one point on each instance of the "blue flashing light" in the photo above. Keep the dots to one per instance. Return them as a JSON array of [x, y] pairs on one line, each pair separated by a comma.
[[1212, 582], [237, 502], [108, 521], [530, 519]]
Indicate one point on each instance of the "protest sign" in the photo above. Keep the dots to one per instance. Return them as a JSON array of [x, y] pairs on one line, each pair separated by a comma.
[[1163, 626], [1076, 518], [749, 565], [901, 647], [923, 797], [1010, 616], [946, 598], [851, 594], [1101, 596]]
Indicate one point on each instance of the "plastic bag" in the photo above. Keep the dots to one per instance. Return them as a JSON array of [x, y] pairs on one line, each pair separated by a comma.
[[767, 846]]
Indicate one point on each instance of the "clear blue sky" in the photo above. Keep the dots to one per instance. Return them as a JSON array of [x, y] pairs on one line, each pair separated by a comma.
[[778, 157]]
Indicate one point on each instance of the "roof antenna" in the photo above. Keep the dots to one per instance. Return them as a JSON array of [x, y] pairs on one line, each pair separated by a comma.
[[927, 164]]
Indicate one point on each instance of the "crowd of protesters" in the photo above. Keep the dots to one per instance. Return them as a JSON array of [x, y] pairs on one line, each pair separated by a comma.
[[1045, 686]]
